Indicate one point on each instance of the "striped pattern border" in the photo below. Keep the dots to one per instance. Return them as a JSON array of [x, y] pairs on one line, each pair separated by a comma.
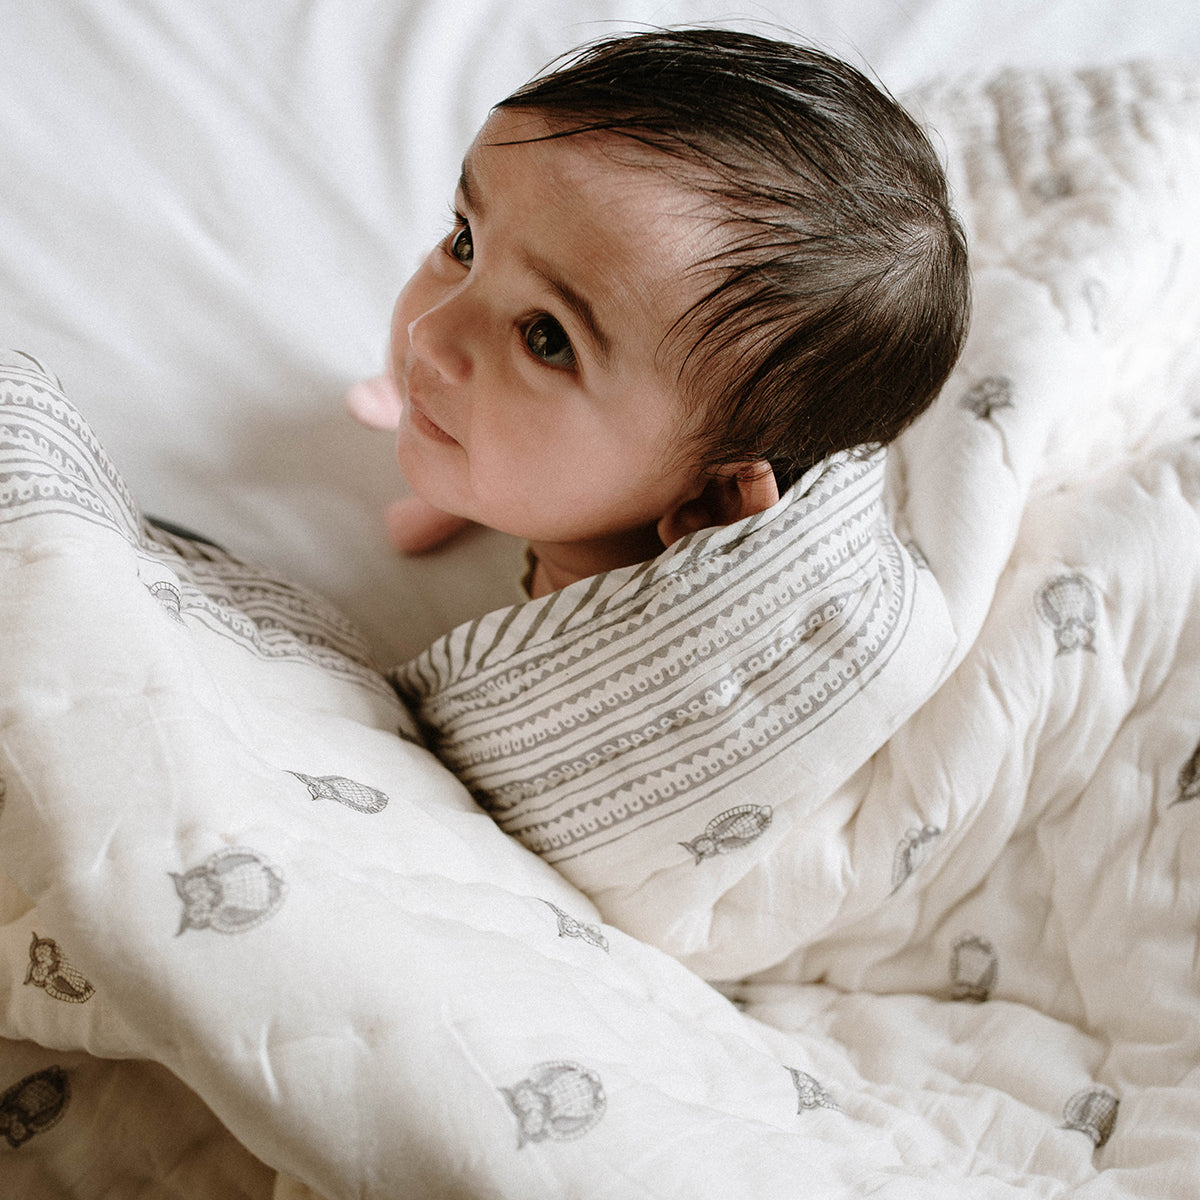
[[581, 717]]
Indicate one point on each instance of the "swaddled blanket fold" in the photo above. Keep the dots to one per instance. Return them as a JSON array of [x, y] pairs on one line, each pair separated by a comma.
[[662, 715]]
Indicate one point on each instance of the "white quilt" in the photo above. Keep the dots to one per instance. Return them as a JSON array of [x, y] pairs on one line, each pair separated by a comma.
[[960, 900]]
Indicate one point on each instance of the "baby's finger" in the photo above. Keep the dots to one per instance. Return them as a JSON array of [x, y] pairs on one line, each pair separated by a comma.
[[415, 527], [375, 402]]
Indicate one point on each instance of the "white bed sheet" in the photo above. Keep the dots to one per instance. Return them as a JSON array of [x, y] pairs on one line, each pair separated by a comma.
[[207, 210]]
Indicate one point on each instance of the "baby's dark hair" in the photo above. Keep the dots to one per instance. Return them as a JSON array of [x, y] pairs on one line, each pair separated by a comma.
[[843, 296]]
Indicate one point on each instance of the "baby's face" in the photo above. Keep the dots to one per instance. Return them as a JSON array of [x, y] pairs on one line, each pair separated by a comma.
[[538, 397]]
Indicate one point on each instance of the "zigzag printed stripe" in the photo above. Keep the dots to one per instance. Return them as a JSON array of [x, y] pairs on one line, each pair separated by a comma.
[[577, 718], [52, 464]]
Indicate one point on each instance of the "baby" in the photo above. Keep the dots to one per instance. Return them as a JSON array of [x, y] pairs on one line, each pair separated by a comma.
[[685, 266]]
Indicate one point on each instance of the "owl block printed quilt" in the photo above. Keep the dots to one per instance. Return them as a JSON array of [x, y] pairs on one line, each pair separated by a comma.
[[852, 848]]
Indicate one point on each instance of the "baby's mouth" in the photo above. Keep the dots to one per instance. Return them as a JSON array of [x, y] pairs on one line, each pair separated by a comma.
[[426, 426]]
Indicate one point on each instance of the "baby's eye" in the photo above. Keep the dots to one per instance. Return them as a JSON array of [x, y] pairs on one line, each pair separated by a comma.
[[461, 246], [548, 341]]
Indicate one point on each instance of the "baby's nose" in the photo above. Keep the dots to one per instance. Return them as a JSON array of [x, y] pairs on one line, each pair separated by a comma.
[[439, 336]]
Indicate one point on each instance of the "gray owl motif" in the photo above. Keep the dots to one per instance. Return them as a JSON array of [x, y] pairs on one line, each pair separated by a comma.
[[349, 792], [569, 926], [810, 1093], [990, 393], [973, 968], [1189, 779], [1092, 1111], [34, 1105], [230, 892], [730, 830], [49, 970], [557, 1101], [915, 848], [1069, 606]]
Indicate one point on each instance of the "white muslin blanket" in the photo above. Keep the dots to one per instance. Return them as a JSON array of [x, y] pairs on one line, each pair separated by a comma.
[[909, 763]]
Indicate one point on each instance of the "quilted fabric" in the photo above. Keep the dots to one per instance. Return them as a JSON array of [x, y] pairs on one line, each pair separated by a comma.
[[960, 963]]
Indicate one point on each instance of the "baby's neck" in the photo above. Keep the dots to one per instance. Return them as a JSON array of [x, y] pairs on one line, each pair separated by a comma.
[[558, 564]]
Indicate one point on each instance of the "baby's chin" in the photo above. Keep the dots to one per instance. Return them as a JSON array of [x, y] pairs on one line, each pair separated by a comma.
[[445, 481]]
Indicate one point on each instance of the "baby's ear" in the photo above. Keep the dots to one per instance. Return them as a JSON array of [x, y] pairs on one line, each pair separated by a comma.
[[732, 493]]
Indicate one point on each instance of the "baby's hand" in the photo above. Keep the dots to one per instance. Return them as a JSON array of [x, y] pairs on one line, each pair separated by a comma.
[[413, 526]]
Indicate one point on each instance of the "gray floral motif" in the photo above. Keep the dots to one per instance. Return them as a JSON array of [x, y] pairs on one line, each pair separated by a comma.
[[1069, 605], [169, 596], [349, 792], [1189, 779], [809, 1092], [1092, 1111], [990, 393], [230, 892], [49, 970], [914, 849], [33, 1105], [569, 926], [973, 968], [730, 830], [557, 1101]]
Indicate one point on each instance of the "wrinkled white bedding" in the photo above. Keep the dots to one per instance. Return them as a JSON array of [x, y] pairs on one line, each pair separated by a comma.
[[965, 958]]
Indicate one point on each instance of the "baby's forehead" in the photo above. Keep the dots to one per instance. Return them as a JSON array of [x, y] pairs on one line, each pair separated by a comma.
[[603, 216], [582, 151], [605, 177]]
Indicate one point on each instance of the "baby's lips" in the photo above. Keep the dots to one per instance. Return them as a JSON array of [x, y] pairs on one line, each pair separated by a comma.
[[375, 402]]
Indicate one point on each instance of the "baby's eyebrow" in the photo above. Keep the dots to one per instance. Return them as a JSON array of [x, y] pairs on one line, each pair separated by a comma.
[[578, 304], [467, 189], [573, 299]]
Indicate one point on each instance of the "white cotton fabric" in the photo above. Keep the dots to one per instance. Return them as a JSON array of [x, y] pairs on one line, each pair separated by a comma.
[[655, 732], [969, 966]]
